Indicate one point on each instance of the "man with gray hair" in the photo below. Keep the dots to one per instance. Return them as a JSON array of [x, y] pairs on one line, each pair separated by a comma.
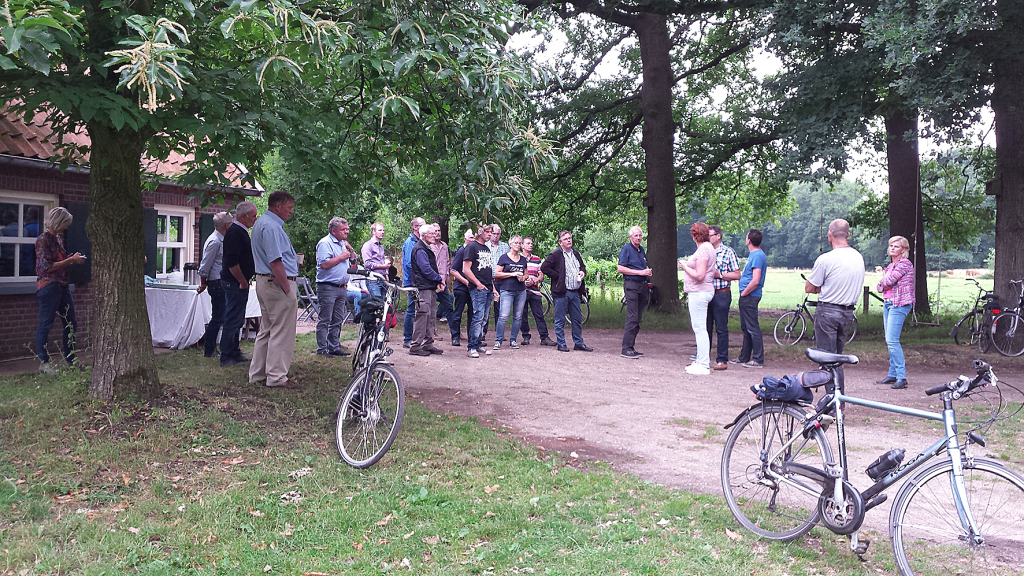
[[635, 272], [838, 277], [237, 270], [334, 256], [209, 278], [427, 278]]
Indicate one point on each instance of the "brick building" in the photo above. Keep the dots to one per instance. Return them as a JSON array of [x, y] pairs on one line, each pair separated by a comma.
[[31, 184]]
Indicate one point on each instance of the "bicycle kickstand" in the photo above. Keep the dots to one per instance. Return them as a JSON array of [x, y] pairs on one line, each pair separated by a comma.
[[859, 546]]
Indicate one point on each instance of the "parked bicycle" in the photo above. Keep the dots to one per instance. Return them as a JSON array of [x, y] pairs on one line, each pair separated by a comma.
[[1007, 331], [958, 515], [791, 326], [370, 411], [975, 326], [549, 302]]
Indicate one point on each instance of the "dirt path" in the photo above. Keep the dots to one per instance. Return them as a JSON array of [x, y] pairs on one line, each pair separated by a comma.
[[647, 417]]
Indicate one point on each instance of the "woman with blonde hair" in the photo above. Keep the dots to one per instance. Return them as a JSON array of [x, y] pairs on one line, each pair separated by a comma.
[[897, 287], [52, 286], [698, 274]]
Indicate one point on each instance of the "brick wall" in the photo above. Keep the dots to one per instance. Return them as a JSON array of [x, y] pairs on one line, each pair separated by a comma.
[[19, 314]]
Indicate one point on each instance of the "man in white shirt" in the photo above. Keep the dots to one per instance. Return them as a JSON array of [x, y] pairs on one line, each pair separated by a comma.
[[209, 278]]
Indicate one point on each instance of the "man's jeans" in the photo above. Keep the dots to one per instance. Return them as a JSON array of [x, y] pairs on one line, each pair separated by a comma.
[[831, 326], [718, 322], [893, 318], [753, 340], [235, 300], [462, 302], [375, 287], [535, 303], [481, 310], [444, 305], [637, 296], [510, 303], [410, 315], [333, 303], [697, 304], [218, 307], [55, 300], [570, 303]]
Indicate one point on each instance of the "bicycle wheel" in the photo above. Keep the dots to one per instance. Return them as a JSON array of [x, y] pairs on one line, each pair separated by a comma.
[[775, 499], [1008, 333], [585, 309], [853, 330], [369, 415], [360, 350], [985, 336], [928, 536], [790, 328], [965, 331], [547, 303]]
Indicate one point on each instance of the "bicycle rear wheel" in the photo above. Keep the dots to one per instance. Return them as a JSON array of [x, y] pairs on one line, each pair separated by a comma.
[[985, 336], [1007, 334], [778, 498], [928, 536], [369, 415], [965, 331], [584, 309], [790, 328], [853, 330]]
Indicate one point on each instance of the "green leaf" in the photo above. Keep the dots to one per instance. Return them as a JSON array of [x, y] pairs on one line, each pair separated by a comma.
[[117, 118], [6, 63], [36, 58], [225, 27], [188, 6]]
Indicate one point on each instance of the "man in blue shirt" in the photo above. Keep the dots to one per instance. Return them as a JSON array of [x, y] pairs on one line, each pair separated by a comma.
[[634, 270], [751, 282], [334, 256], [407, 247], [277, 266]]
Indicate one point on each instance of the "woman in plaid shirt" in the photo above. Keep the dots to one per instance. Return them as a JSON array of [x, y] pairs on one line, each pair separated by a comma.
[[897, 287]]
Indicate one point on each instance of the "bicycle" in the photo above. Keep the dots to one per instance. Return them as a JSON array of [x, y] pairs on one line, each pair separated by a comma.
[[961, 514], [371, 408], [977, 324], [549, 302], [1007, 332], [791, 326]]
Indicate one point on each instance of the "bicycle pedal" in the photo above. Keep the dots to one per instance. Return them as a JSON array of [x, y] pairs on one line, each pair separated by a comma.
[[862, 549]]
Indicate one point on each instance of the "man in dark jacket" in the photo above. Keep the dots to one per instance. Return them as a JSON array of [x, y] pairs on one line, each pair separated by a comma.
[[564, 266], [429, 281], [237, 270]]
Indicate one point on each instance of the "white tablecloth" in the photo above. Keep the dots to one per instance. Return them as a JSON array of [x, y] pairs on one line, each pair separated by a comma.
[[178, 318]]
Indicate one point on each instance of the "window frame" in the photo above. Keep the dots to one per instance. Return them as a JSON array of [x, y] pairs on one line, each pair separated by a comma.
[[186, 245], [48, 201]]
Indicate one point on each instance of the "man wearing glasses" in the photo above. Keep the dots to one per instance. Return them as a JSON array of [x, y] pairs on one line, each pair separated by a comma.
[[728, 268]]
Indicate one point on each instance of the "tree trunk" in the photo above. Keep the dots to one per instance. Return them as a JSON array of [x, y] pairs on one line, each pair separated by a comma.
[[659, 155], [905, 215], [122, 345], [1008, 109]]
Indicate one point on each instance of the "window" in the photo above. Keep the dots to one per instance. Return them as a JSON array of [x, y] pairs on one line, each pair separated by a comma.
[[21, 222], [174, 238]]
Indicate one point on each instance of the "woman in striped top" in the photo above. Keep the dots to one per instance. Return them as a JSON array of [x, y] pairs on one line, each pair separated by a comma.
[[897, 287]]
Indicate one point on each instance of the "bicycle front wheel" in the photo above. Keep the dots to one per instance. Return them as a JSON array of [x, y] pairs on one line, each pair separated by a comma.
[[1008, 334], [369, 415], [985, 336], [929, 536], [773, 492], [965, 331], [790, 328]]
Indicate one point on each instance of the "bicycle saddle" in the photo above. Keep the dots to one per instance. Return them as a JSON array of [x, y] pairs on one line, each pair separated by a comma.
[[822, 357]]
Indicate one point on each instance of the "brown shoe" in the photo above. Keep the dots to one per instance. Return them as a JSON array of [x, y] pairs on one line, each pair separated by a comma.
[[721, 366], [419, 352], [289, 384], [435, 350]]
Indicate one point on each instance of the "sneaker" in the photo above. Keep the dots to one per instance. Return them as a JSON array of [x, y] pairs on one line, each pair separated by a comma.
[[752, 364], [473, 353], [48, 368], [514, 345], [630, 354], [736, 361], [487, 352], [456, 342], [638, 353], [497, 345], [693, 357], [406, 344], [697, 369]]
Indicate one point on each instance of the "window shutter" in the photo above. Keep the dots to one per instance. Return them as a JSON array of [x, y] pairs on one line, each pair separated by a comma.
[[149, 231], [205, 229], [76, 240]]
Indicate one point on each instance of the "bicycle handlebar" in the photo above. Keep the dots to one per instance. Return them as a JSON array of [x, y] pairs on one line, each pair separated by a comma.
[[371, 275], [963, 384]]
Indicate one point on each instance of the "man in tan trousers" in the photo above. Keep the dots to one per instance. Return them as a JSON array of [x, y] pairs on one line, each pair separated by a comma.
[[276, 269]]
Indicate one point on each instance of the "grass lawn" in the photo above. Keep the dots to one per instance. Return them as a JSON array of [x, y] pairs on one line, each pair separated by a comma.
[[222, 477]]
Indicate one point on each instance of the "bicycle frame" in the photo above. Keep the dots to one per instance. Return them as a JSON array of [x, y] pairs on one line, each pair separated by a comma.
[[835, 471]]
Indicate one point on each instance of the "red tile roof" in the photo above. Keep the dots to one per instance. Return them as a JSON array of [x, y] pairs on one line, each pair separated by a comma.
[[34, 139]]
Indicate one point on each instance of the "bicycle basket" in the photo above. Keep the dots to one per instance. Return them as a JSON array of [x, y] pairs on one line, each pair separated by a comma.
[[370, 309]]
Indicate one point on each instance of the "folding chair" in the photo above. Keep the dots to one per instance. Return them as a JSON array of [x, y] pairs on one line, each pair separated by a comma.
[[307, 299]]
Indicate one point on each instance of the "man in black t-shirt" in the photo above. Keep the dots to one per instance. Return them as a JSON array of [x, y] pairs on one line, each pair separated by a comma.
[[478, 268], [460, 291]]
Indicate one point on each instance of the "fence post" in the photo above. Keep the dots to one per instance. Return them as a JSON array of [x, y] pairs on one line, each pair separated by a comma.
[[867, 299]]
